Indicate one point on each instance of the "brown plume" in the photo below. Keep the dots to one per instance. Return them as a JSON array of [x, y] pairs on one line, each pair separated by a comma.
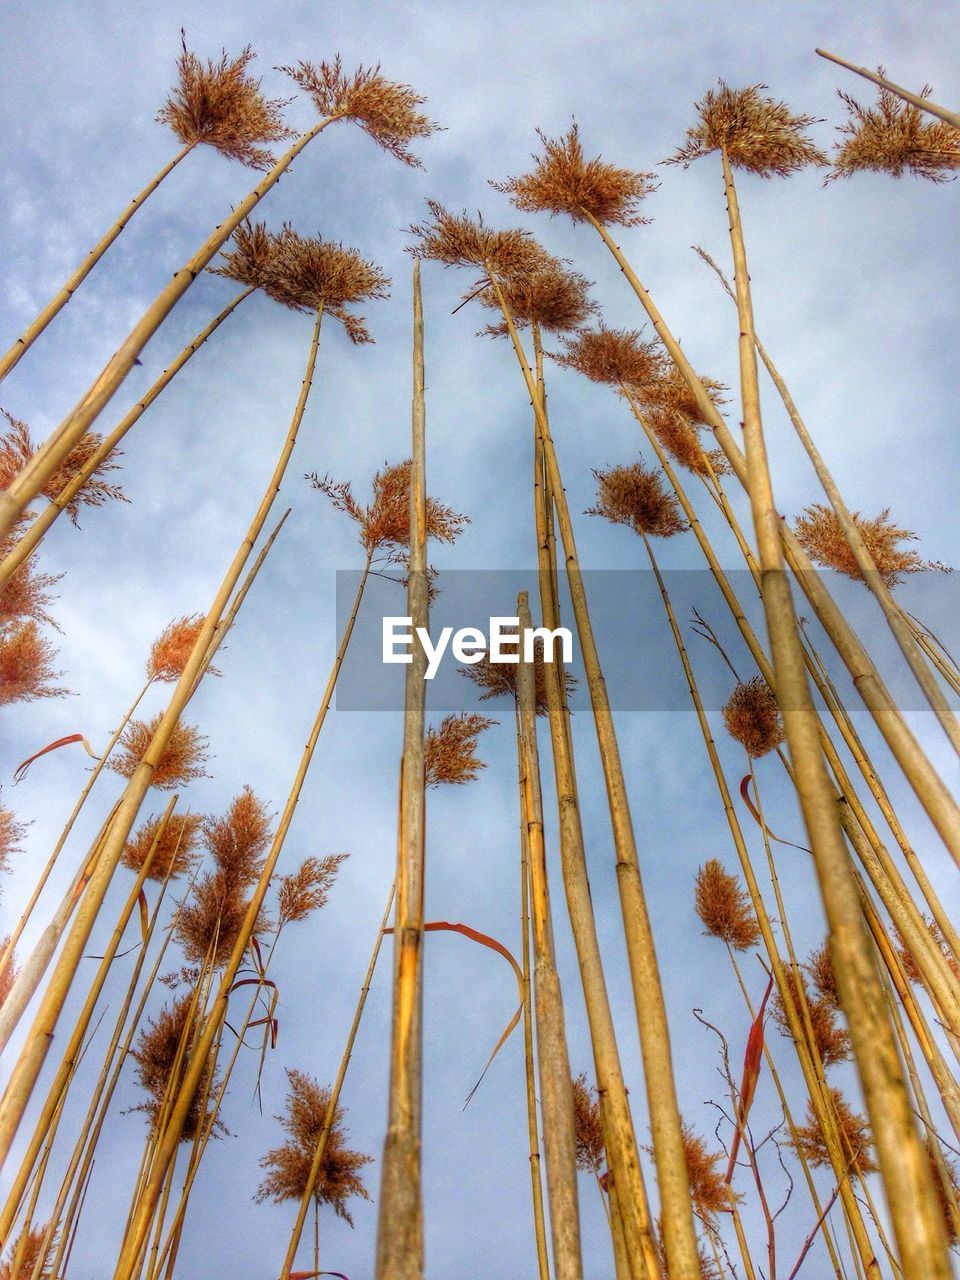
[[450, 749], [156, 1058], [218, 104], [946, 1200], [854, 1138], [176, 849], [635, 496], [907, 960], [895, 137], [182, 760], [752, 716], [26, 665], [760, 134], [588, 1129], [564, 182], [172, 649], [459, 241], [17, 447], [32, 1251], [615, 356], [725, 908], [289, 1166], [499, 679], [386, 111], [819, 968], [552, 298], [821, 535], [9, 973], [307, 889], [11, 834], [249, 256], [28, 593], [831, 1039]]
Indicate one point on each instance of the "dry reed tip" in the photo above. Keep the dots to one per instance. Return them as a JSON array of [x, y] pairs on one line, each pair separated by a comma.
[[32, 1241], [307, 889], [819, 968], [832, 1040], [173, 648], [450, 749], [821, 535], [27, 670], [158, 1055], [588, 1127], [894, 137], [181, 760], [552, 298], [562, 181], [218, 104], [724, 907], [289, 1166], [499, 679], [457, 240], [384, 110], [759, 134], [854, 1138], [752, 716], [176, 846], [635, 496], [17, 447], [619, 357], [12, 833]]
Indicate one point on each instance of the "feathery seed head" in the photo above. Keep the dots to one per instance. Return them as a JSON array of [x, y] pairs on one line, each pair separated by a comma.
[[156, 1058], [564, 182], [615, 356], [680, 439], [218, 104], [759, 134], [306, 273], [386, 111], [708, 1188], [17, 448], [821, 535], [908, 960], [831, 1038], [237, 841], [213, 917], [27, 594], [11, 834], [752, 716], [725, 908], [288, 1166], [895, 137], [634, 496], [820, 970], [182, 759], [457, 240], [499, 679], [855, 1138], [249, 256], [307, 889], [176, 849], [588, 1128], [553, 298], [450, 749], [32, 1251], [172, 649], [26, 664]]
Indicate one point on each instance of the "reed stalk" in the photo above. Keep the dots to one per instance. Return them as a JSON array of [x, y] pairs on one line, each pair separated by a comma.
[[52, 452], [679, 1236], [556, 1092], [33, 536], [23, 1078], [400, 1221], [923, 778], [56, 304], [915, 99], [620, 1141]]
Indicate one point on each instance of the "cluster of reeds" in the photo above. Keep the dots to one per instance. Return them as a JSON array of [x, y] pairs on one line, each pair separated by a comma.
[[876, 1006]]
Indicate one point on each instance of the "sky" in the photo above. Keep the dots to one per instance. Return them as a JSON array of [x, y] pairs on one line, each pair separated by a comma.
[[854, 299]]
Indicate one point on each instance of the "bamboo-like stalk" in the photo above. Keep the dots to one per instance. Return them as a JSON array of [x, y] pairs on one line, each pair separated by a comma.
[[70, 1057], [56, 304], [31, 539], [556, 1091], [638, 1244], [51, 862], [679, 1236], [400, 1220], [910, 1192], [52, 452], [529, 1068], [915, 99], [923, 778], [335, 1092], [23, 1078]]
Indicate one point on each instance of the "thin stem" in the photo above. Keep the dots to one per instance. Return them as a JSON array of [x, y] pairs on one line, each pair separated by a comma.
[[915, 99]]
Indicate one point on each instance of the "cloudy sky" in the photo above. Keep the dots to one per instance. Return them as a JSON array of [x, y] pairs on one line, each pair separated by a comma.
[[856, 300]]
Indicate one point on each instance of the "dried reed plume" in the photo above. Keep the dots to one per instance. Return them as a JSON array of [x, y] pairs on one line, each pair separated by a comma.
[[616, 356], [9, 973], [821, 535], [386, 111], [450, 749], [249, 255], [156, 1055], [906, 957], [708, 1187], [552, 298], [32, 1251], [176, 849], [460, 241], [11, 834], [499, 679], [591, 1153], [28, 593], [752, 716], [289, 1166], [171, 651], [307, 889], [17, 447], [635, 496], [182, 760], [563, 182], [724, 907], [216, 909], [758, 134], [895, 137], [854, 1138], [819, 969], [831, 1039], [221, 106], [26, 665], [385, 524], [679, 437], [307, 273], [672, 392], [946, 1202]]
